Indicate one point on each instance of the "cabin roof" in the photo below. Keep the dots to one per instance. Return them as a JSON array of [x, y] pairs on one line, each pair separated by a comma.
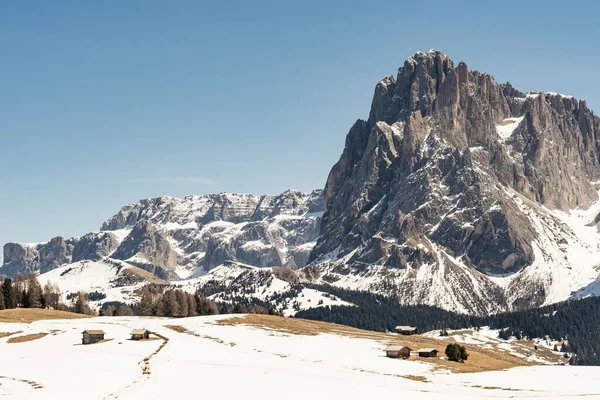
[[405, 328], [139, 331], [397, 348], [426, 350], [93, 332]]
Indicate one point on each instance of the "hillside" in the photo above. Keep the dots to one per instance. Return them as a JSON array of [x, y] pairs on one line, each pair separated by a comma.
[[265, 356]]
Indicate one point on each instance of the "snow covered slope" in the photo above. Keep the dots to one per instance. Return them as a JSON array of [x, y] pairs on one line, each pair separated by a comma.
[[117, 280], [176, 238], [208, 359]]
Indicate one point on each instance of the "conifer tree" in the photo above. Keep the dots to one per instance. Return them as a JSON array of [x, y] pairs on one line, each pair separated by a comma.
[[10, 300]]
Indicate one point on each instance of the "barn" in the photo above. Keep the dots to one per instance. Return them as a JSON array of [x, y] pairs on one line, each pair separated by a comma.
[[427, 352], [406, 330], [397, 351], [139, 334], [92, 336]]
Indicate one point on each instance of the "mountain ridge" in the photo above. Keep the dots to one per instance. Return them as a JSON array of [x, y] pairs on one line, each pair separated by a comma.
[[456, 191]]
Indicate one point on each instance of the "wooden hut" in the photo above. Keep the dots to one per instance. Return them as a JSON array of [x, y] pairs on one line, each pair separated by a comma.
[[406, 330], [139, 334], [397, 351], [427, 352], [92, 336]]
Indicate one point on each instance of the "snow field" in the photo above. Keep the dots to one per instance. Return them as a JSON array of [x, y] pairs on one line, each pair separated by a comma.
[[231, 361]]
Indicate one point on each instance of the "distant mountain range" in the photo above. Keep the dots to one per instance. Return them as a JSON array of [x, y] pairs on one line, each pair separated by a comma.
[[456, 192]]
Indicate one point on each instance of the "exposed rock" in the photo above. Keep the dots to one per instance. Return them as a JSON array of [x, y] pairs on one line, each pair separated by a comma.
[[426, 180], [148, 244], [19, 259], [95, 246]]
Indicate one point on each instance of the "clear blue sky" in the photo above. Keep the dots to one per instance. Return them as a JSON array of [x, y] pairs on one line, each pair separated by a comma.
[[106, 102]]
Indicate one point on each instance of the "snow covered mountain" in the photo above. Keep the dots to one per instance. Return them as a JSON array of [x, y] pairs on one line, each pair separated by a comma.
[[174, 238], [457, 192]]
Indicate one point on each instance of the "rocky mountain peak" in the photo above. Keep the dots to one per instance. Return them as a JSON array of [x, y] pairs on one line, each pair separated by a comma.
[[429, 178]]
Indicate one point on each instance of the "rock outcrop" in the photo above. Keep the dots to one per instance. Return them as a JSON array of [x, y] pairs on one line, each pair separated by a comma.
[[428, 181], [148, 248], [95, 246]]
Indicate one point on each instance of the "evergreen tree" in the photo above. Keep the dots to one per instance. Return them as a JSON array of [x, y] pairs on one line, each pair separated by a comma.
[[1, 298], [10, 300], [456, 352]]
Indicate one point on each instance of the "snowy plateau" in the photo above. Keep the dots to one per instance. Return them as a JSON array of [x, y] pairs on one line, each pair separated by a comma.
[[230, 357]]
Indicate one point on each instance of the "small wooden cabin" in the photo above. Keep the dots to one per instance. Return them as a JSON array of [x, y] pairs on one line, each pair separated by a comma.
[[406, 330], [139, 334], [92, 336], [396, 351], [427, 352]]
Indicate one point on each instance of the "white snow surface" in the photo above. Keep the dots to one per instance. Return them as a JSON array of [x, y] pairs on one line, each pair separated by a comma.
[[90, 276], [508, 126], [232, 362]]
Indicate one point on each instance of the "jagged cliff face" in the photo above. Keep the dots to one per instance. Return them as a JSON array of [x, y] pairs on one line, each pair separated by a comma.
[[166, 236], [425, 187]]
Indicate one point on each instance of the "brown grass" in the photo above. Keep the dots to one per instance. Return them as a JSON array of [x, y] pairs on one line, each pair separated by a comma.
[[5, 334], [417, 378], [28, 315], [177, 328], [479, 359], [27, 338]]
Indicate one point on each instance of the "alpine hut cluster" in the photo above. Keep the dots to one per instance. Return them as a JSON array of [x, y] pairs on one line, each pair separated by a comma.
[[91, 336], [401, 351]]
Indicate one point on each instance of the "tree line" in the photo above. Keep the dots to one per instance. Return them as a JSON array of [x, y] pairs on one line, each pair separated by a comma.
[[576, 322], [25, 291]]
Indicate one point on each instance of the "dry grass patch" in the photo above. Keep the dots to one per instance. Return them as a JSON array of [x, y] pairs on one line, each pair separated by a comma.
[[177, 328], [5, 334], [417, 378], [27, 338], [480, 359], [28, 315]]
